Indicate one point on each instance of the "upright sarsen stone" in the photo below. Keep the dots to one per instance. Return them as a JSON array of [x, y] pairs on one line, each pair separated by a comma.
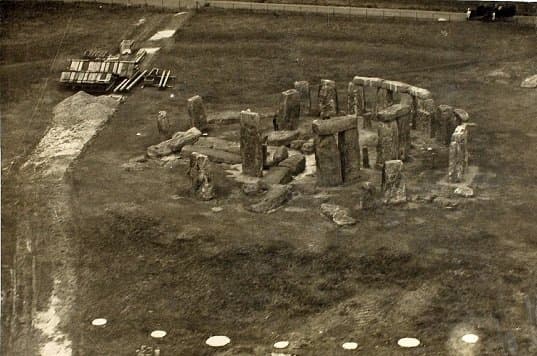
[[388, 142], [196, 111], [289, 111], [303, 88], [423, 117], [327, 97], [355, 99], [458, 154], [201, 177], [444, 124], [393, 185], [328, 161], [163, 125], [349, 150], [251, 144]]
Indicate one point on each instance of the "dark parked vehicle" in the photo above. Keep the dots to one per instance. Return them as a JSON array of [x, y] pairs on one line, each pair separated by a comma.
[[492, 12]]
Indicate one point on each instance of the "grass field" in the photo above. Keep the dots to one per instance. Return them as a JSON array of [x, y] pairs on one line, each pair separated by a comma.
[[421, 271]]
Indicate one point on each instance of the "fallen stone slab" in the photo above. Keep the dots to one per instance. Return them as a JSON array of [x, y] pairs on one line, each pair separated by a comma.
[[255, 188], [181, 139], [308, 147], [334, 125], [464, 191], [278, 175], [296, 163], [297, 144], [224, 118], [341, 216], [219, 144], [530, 82], [159, 150], [273, 199], [217, 156], [447, 203], [282, 137], [281, 153]]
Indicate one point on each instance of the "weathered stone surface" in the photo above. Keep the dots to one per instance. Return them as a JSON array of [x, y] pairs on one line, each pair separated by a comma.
[[215, 155], [464, 191], [278, 175], [355, 99], [384, 99], [388, 142], [368, 81], [308, 147], [327, 97], [461, 116], [163, 125], [529, 82], [328, 161], [282, 137], [349, 150], [365, 157], [424, 116], [367, 123], [458, 154], [274, 198], [367, 199], [395, 86], [175, 144], [403, 127], [280, 154], [419, 92], [251, 144], [219, 144], [296, 163], [200, 175], [181, 139], [288, 112], [334, 125], [393, 112], [303, 88], [196, 111], [255, 188], [297, 144], [393, 185], [341, 216], [444, 124]]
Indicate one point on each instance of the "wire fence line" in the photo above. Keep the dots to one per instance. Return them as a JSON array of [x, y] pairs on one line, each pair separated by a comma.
[[306, 9]]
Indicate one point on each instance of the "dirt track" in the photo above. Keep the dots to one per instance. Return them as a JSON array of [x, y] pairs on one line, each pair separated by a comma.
[[423, 271]]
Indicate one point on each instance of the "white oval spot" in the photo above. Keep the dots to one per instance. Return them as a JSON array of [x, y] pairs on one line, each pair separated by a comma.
[[218, 341], [99, 322], [470, 338], [350, 346], [408, 342], [172, 96], [281, 344], [158, 334]]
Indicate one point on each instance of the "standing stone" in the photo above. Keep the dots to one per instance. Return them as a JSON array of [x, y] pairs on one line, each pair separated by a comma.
[[327, 97], [365, 157], [288, 111], [458, 154], [349, 150], [201, 176], [196, 111], [367, 199], [384, 99], [388, 142], [444, 124], [163, 125], [355, 99], [251, 144], [328, 161], [403, 126], [423, 117], [393, 185], [303, 88]]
